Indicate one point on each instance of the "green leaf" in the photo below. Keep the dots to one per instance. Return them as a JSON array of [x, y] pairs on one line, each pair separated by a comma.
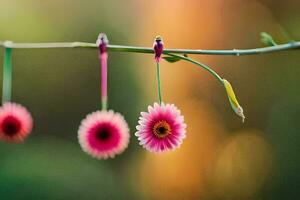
[[267, 39], [171, 59]]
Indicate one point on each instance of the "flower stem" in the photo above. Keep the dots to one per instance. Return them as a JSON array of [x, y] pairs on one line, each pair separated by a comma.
[[102, 42], [158, 82], [103, 59], [7, 75]]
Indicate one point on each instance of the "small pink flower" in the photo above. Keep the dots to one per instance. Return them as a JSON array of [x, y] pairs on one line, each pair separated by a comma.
[[15, 122], [103, 134], [162, 128]]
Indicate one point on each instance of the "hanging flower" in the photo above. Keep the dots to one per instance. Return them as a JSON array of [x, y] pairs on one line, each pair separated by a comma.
[[103, 134], [15, 122], [233, 101], [162, 128]]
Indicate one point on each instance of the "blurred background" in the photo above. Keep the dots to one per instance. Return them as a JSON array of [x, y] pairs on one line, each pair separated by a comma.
[[221, 158]]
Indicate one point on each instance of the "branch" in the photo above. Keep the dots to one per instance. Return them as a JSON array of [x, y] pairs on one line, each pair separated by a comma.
[[122, 48]]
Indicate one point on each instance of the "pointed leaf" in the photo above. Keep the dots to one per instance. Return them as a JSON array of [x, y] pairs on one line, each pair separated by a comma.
[[267, 39]]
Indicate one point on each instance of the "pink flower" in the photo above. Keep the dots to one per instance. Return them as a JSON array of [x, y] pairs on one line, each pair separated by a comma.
[[162, 128], [103, 134], [15, 122]]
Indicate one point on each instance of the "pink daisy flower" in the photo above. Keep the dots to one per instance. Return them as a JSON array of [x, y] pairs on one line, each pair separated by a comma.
[[15, 122], [103, 134], [162, 128]]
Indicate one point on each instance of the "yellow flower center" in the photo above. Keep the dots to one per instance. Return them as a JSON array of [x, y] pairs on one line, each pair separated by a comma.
[[161, 129]]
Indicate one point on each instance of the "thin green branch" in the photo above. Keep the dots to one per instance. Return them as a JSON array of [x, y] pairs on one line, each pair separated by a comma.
[[207, 68], [122, 48]]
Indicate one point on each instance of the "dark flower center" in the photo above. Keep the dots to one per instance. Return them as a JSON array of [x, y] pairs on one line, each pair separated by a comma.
[[103, 134], [161, 129], [11, 126]]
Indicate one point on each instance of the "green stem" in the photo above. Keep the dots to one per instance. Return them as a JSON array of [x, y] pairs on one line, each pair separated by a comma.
[[207, 68], [158, 82], [104, 104], [122, 48], [7, 75]]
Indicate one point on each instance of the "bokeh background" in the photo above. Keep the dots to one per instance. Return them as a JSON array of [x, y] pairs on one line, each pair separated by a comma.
[[221, 157]]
